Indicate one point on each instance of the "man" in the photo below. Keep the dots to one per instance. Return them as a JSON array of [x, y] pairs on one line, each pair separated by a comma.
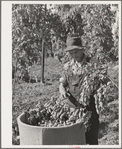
[[72, 81]]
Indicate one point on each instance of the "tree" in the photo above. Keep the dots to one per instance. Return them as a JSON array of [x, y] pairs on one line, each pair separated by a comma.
[[30, 24]]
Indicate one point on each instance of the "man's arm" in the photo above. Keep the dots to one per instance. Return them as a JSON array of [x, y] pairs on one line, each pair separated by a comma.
[[62, 86], [62, 90]]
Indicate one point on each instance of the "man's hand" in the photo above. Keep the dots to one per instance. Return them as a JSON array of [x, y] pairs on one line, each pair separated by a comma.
[[62, 91], [63, 94]]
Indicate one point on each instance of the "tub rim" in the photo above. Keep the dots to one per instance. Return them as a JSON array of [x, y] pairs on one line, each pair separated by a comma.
[[38, 127]]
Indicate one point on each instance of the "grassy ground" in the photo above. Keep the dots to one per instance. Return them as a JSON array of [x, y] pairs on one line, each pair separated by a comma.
[[27, 95]]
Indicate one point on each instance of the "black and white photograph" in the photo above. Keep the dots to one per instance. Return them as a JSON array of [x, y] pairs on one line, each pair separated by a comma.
[[61, 74]]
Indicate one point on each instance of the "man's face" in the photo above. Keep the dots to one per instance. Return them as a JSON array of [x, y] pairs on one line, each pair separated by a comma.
[[76, 54]]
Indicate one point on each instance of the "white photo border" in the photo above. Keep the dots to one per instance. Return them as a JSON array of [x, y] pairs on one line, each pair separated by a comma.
[[6, 75]]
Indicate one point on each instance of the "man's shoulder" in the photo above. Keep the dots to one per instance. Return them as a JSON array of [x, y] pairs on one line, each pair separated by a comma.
[[68, 64]]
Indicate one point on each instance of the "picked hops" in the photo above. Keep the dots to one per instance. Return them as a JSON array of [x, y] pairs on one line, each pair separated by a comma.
[[54, 114]]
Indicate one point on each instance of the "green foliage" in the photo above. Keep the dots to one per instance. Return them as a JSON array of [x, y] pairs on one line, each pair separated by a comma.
[[27, 31], [31, 23], [94, 24], [71, 19]]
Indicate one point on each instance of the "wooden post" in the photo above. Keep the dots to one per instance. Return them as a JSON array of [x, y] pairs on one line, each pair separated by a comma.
[[42, 63], [43, 52]]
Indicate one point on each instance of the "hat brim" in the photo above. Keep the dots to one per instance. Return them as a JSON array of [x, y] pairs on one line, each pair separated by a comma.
[[69, 48]]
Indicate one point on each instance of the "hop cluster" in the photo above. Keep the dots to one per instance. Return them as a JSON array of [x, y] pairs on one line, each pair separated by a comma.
[[55, 113], [101, 98], [92, 85]]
